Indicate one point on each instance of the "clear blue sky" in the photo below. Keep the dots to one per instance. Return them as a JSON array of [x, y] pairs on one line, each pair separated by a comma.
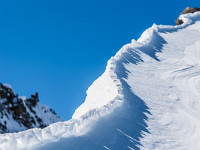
[[59, 47]]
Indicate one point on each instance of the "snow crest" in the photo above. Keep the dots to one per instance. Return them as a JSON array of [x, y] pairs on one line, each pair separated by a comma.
[[148, 98]]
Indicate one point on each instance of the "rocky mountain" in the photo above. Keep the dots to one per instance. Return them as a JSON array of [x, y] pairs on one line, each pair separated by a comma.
[[21, 113]]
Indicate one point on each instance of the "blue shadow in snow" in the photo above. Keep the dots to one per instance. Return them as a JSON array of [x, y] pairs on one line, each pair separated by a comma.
[[123, 128]]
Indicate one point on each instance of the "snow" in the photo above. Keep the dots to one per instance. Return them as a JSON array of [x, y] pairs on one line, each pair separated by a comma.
[[147, 98], [102, 91], [45, 114], [23, 98], [7, 85], [10, 87]]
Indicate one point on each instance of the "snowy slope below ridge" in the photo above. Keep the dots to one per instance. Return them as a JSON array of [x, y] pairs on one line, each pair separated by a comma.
[[148, 98]]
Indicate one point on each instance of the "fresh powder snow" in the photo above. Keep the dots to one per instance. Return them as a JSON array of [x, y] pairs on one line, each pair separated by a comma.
[[147, 98]]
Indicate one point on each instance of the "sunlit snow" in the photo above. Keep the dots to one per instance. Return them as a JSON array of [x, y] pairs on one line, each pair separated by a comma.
[[147, 98]]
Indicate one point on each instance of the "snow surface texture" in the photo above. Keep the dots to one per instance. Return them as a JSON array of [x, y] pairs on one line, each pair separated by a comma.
[[148, 98]]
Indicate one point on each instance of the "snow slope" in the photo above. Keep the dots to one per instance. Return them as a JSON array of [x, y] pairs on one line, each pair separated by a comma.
[[147, 98]]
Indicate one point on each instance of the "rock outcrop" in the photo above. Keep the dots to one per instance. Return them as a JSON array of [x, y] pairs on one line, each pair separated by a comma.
[[185, 11]]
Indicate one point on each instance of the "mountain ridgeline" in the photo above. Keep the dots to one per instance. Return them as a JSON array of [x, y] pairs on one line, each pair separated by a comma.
[[21, 113], [148, 98]]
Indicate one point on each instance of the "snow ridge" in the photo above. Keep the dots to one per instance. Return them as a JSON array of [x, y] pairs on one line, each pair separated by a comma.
[[137, 103]]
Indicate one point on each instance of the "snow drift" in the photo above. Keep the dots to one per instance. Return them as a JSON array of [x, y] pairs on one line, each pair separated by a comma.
[[148, 98]]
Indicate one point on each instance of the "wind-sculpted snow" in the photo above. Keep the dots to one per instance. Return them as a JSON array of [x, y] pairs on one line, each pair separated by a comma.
[[170, 88], [148, 98]]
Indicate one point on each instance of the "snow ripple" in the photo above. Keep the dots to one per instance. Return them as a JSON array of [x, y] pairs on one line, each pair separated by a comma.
[[171, 89]]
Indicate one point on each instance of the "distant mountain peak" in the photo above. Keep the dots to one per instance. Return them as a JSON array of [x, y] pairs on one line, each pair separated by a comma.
[[21, 113]]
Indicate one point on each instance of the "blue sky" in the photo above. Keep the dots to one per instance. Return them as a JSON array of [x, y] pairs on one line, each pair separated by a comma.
[[58, 48]]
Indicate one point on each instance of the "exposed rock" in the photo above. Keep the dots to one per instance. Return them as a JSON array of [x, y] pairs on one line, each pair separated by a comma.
[[179, 21], [185, 11]]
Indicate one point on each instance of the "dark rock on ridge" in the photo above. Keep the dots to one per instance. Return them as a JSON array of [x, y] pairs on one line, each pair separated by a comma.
[[185, 11]]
